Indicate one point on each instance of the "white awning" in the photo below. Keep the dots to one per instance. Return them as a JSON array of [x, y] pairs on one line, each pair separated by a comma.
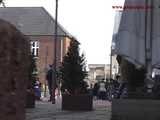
[[133, 32]]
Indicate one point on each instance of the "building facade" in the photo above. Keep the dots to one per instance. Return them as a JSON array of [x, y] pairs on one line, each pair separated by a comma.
[[37, 24], [98, 72]]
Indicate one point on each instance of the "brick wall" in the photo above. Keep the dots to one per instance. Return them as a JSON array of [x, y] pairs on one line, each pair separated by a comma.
[[46, 52]]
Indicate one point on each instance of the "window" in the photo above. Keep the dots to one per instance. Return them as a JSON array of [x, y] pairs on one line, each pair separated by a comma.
[[35, 48]]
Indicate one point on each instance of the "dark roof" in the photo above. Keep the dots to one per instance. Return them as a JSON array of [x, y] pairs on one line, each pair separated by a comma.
[[31, 20]]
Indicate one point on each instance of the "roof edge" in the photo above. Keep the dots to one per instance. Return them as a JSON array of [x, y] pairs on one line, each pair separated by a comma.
[[61, 27], [22, 7]]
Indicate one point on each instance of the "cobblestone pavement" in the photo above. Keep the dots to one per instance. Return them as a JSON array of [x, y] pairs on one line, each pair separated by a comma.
[[47, 111]]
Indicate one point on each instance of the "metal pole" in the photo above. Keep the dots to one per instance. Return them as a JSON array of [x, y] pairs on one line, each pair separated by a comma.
[[148, 46], [105, 76], [110, 84], [45, 85], [54, 78], [110, 66]]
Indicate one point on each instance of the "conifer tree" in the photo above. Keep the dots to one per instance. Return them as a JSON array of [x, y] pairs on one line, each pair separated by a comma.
[[32, 72], [73, 70]]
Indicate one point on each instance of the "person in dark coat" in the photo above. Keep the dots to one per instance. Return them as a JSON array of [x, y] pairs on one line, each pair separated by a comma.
[[49, 80], [95, 90]]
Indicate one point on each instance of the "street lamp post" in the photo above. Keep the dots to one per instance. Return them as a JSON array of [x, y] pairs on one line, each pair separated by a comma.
[[45, 85], [111, 65], [110, 84], [54, 78]]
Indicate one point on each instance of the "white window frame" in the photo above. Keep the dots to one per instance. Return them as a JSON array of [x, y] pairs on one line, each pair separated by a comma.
[[35, 48]]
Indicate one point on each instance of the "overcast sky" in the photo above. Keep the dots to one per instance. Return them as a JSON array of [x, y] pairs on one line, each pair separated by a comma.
[[90, 21]]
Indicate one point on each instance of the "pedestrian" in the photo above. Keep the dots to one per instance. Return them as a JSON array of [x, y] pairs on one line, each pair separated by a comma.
[[122, 90], [37, 89], [95, 90], [102, 90], [49, 80], [90, 89]]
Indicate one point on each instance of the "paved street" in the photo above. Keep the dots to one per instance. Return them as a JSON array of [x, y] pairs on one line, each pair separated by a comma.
[[47, 111]]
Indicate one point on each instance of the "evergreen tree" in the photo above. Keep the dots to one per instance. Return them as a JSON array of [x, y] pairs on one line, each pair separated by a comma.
[[30, 98], [32, 72], [73, 70]]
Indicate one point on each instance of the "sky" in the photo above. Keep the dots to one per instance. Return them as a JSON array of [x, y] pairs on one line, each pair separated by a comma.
[[90, 21]]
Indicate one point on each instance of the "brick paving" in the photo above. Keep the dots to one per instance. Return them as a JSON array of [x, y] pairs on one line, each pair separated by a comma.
[[47, 111]]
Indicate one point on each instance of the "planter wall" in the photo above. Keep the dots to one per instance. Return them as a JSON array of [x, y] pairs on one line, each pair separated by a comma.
[[77, 102], [30, 100], [132, 109]]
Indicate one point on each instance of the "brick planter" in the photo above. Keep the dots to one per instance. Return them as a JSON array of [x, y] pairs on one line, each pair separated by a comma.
[[135, 109], [30, 99], [77, 102]]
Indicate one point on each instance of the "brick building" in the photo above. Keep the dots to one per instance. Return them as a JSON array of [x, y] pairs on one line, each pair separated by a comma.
[[37, 24]]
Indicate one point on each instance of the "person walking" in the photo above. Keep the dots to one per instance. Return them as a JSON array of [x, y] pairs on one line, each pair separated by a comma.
[[95, 91], [102, 90], [37, 89], [49, 80]]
